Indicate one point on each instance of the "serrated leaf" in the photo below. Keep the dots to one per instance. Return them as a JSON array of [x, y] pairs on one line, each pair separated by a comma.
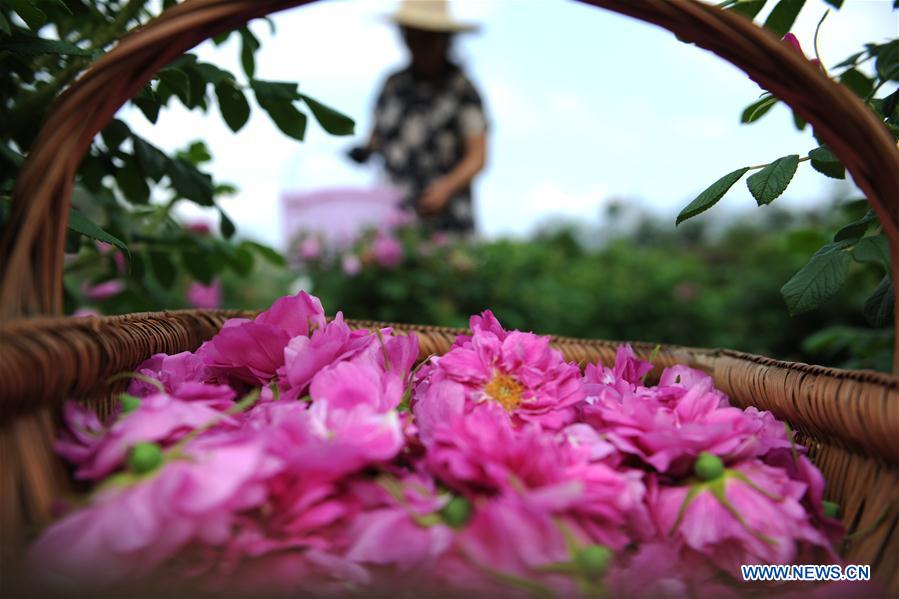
[[177, 82], [31, 14], [858, 83], [782, 17], [150, 159], [83, 225], [879, 307], [874, 249], [189, 182], [248, 46], [757, 109], [748, 8], [37, 46], [164, 270], [132, 182], [824, 161], [819, 280], [887, 63], [331, 120], [856, 229], [767, 184], [711, 195], [226, 227], [233, 104]]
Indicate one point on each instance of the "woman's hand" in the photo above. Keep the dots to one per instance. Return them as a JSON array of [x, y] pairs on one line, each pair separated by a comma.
[[435, 197]]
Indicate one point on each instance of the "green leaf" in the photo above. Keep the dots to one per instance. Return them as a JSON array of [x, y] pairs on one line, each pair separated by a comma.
[[273, 91], [31, 14], [270, 255], [196, 153], [115, 133], [889, 104], [148, 102], [711, 195], [887, 63], [37, 46], [152, 160], [757, 110], [819, 280], [824, 161], [874, 249], [212, 73], [73, 242], [177, 82], [748, 8], [4, 25], [856, 229], [163, 268], [190, 183], [81, 224], [879, 307], [226, 227], [132, 182], [331, 121], [781, 19], [858, 83], [851, 61], [289, 120], [199, 266], [248, 46], [233, 104], [767, 184], [240, 260], [838, 4], [10, 155]]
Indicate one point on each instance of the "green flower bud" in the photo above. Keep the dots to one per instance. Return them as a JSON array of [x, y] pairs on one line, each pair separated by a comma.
[[708, 466], [457, 512], [144, 457], [128, 402], [593, 560], [831, 509]]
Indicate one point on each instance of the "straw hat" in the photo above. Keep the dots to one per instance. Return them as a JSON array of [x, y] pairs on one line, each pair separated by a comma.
[[430, 15]]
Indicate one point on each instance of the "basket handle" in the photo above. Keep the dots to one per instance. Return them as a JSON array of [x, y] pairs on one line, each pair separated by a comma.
[[31, 249]]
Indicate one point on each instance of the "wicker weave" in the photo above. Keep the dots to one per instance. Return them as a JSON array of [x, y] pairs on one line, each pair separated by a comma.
[[849, 420]]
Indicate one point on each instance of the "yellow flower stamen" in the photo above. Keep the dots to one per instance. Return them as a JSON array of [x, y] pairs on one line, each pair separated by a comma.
[[504, 389]]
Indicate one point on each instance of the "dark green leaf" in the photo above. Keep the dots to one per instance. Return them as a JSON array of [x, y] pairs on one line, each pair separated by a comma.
[[757, 110], [819, 280], [4, 25], [331, 121], [225, 225], [270, 255], [856, 229], [767, 184], [233, 104], [711, 195], [799, 122], [115, 133], [273, 91], [10, 155], [241, 261], [824, 161], [31, 14], [781, 19], [199, 265], [38, 45], [163, 268], [221, 38], [748, 8], [878, 309], [888, 107], [248, 46], [197, 87], [132, 182], [887, 64], [73, 242], [212, 73], [151, 160], [189, 182], [851, 61], [860, 85], [177, 82], [81, 224], [148, 102], [835, 3], [874, 249], [289, 120], [138, 270]]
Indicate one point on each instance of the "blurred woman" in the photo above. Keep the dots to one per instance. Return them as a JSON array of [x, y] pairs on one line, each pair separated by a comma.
[[429, 122]]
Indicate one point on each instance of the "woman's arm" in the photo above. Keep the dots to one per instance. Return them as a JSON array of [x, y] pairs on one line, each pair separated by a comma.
[[440, 191]]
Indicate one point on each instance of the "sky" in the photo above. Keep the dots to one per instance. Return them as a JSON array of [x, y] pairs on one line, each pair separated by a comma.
[[585, 107]]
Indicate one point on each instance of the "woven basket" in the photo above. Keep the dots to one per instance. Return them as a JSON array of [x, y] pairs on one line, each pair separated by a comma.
[[848, 420]]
